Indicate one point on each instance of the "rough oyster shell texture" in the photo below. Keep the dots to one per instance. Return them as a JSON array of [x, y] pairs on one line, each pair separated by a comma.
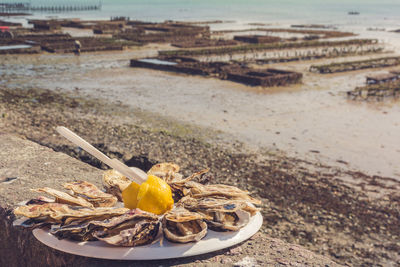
[[112, 227], [58, 212], [91, 193], [198, 190], [167, 171], [81, 194], [183, 226], [114, 183], [144, 232], [65, 198], [220, 214]]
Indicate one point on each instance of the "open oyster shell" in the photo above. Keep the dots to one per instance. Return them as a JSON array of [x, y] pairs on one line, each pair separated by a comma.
[[183, 226], [134, 229], [220, 214], [85, 231], [228, 221], [91, 193], [114, 183]]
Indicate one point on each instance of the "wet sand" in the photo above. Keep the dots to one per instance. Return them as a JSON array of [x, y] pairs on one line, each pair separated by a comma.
[[313, 121]]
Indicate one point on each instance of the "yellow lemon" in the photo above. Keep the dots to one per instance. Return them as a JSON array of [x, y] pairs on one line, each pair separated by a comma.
[[154, 196], [129, 196]]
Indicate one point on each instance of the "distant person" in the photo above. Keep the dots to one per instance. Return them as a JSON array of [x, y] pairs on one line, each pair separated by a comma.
[[77, 47], [5, 32]]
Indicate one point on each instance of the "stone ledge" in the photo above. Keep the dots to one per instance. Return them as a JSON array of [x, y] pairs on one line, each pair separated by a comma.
[[35, 166]]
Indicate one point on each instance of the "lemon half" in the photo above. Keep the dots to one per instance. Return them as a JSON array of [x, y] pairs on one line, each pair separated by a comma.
[[154, 195]]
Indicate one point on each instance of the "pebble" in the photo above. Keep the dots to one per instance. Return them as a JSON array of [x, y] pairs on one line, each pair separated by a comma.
[[226, 260], [246, 262], [235, 251]]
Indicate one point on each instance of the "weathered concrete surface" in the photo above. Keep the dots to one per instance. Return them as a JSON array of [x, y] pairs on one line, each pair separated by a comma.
[[34, 166]]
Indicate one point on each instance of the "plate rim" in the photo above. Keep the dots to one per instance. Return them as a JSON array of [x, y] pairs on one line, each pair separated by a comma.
[[212, 242]]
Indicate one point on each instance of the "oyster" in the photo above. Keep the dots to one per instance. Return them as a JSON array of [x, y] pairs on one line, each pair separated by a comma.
[[166, 171], [114, 183], [85, 231], [179, 185], [39, 215], [169, 172], [89, 214], [37, 222], [39, 210], [91, 193], [197, 190], [183, 226], [221, 191], [64, 198], [138, 228], [57, 212], [221, 214]]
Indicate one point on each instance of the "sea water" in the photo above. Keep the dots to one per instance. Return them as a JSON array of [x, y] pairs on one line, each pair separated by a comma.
[[373, 13]]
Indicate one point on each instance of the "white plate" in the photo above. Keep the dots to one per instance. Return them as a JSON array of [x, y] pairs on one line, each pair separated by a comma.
[[213, 241]]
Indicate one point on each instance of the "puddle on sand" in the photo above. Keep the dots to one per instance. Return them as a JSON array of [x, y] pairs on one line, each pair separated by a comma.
[[9, 47]]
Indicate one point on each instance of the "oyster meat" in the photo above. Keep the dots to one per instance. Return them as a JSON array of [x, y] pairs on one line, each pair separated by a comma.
[[137, 228], [114, 183], [183, 226], [220, 214], [91, 193]]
